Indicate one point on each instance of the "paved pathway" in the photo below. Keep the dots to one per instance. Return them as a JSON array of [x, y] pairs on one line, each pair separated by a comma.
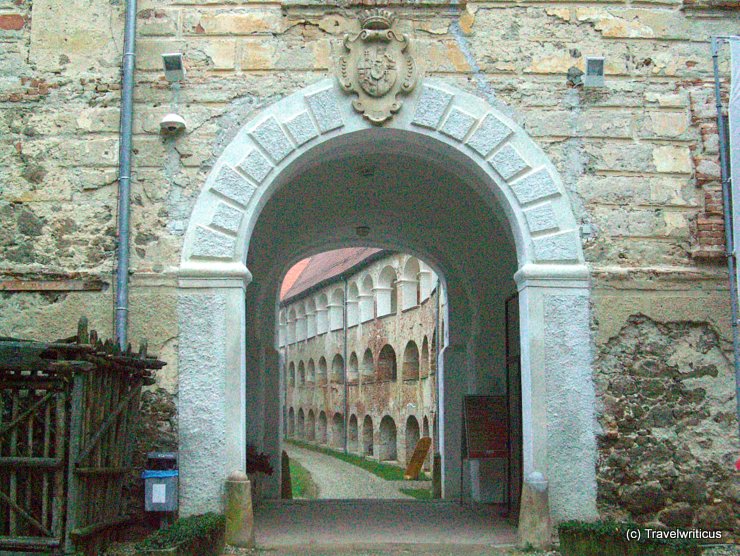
[[337, 479], [362, 526]]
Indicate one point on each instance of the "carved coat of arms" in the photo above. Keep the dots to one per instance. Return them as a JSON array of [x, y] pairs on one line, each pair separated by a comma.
[[377, 67]]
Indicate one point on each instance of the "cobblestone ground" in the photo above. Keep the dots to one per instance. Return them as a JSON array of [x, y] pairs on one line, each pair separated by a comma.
[[338, 479]]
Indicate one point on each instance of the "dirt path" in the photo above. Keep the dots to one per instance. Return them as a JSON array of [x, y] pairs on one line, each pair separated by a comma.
[[339, 479]]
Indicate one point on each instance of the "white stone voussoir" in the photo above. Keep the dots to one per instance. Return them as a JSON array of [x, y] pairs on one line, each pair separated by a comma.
[[520, 173]]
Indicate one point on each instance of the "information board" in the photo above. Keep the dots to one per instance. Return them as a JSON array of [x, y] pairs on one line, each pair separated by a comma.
[[486, 427]]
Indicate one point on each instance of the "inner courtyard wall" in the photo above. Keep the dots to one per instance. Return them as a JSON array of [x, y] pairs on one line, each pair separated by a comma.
[[370, 392], [638, 158]]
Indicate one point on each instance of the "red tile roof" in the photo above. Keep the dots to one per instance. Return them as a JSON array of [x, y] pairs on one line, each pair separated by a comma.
[[292, 276], [322, 267]]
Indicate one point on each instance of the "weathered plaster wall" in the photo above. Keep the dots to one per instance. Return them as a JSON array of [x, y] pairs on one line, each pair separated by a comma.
[[639, 157]]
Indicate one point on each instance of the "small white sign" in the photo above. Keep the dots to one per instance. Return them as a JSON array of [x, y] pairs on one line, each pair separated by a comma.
[[159, 494]]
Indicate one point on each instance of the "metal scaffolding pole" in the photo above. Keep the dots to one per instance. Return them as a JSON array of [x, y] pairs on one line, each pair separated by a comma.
[[727, 198]]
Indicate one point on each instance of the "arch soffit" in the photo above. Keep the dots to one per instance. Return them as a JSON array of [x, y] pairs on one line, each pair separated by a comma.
[[522, 179]]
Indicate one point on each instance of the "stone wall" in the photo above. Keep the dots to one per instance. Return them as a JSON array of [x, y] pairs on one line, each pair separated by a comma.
[[157, 432], [667, 412], [638, 156], [639, 159]]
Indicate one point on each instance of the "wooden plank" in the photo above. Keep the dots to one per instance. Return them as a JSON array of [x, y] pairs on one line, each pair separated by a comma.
[[31, 462], [417, 460], [45, 482], [39, 384], [13, 490], [28, 542], [75, 429], [486, 427], [58, 496], [29, 452], [92, 471], [51, 285]]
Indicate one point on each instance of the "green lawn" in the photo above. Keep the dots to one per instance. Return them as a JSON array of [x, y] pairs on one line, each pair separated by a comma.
[[382, 470], [302, 483], [418, 493]]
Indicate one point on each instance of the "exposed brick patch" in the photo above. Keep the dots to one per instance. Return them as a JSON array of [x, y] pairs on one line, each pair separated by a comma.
[[707, 233], [12, 22], [711, 4], [31, 89]]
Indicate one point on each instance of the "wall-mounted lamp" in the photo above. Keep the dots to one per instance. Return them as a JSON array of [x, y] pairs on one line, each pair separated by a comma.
[[172, 124], [594, 76], [174, 71]]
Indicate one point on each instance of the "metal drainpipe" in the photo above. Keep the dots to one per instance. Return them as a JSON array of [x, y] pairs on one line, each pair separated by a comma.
[[124, 173], [346, 382], [729, 219]]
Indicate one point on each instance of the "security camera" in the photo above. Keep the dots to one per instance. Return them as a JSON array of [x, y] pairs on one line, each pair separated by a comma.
[[171, 124]]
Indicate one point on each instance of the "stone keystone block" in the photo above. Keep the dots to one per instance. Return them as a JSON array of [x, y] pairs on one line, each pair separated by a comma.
[[212, 245], [272, 138], [230, 184], [508, 162], [489, 135], [325, 109], [256, 166], [536, 185], [458, 124], [431, 106]]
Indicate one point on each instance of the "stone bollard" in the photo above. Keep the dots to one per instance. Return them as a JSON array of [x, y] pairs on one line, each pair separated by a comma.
[[534, 513], [239, 516], [286, 482]]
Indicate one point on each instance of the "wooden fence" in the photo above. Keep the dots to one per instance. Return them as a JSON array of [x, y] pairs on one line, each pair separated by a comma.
[[67, 415]]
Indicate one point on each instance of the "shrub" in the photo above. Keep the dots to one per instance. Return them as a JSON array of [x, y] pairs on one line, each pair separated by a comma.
[[186, 531], [612, 538]]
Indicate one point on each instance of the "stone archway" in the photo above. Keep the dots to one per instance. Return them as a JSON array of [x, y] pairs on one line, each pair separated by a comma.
[[552, 278]]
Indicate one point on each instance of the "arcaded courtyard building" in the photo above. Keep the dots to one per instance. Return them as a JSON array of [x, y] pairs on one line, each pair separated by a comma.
[[367, 384], [458, 131]]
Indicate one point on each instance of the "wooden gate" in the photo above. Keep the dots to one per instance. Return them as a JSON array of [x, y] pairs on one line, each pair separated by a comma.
[[32, 457], [67, 415]]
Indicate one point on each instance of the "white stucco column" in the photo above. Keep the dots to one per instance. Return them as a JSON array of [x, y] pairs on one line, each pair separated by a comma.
[[322, 320], [353, 314], [425, 283], [211, 390], [367, 309], [558, 398], [407, 287], [383, 300]]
